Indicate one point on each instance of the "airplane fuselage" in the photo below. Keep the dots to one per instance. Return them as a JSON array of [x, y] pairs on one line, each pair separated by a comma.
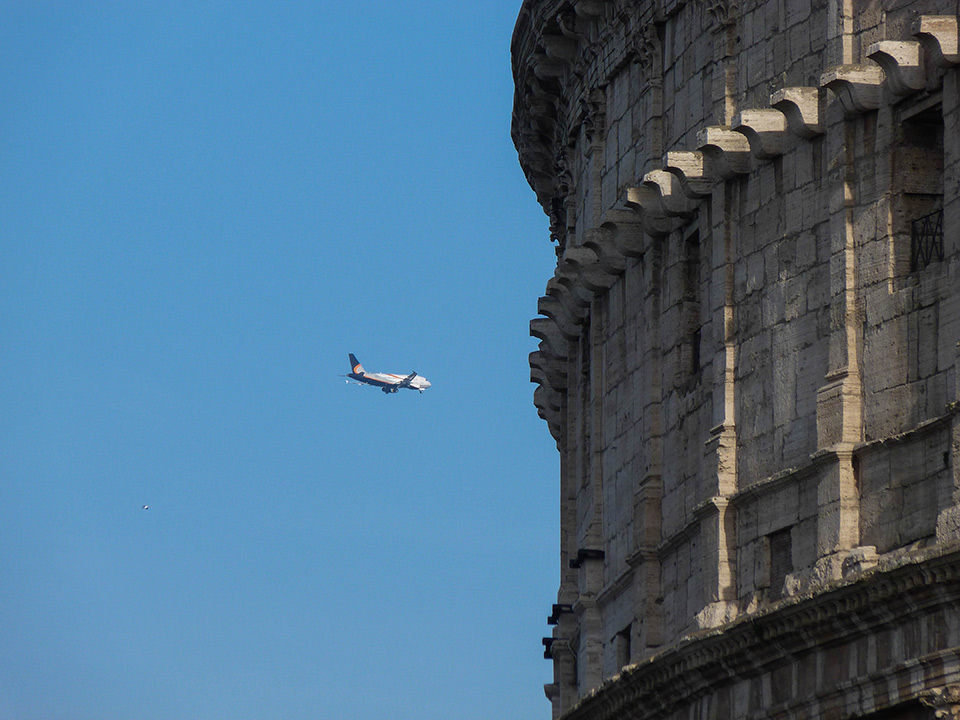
[[388, 382]]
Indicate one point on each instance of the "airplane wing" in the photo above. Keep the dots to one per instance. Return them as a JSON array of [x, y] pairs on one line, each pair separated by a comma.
[[407, 380]]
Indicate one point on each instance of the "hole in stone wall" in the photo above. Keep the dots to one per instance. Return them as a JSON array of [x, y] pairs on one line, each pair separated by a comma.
[[917, 174], [622, 643], [781, 560]]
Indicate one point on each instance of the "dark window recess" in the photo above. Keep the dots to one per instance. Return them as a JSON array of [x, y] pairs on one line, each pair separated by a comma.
[[695, 351], [691, 295], [585, 554], [781, 560], [622, 642], [926, 240]]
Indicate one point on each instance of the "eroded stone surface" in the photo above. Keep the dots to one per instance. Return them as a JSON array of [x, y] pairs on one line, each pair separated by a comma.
[[749, 359]]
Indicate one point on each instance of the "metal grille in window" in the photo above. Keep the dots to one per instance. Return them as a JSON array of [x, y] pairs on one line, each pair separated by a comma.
[[926, 236]]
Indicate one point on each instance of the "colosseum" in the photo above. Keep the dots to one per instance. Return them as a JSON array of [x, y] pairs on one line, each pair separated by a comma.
[[748, 352]]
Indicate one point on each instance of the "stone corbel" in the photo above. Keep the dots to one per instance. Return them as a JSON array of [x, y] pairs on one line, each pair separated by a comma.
[[647, 205], [585, 263], [590, 9], [765, 130], [547, 402], [566, 288], [856, 86], [567, 22], [546, 67], [667, 191], [801, 106], [609, 258], [559, 47], [690, 170], [552, 342], [620, 230], [569, 325], [547, 370], [727, 152], [938, 33], [902, 63], [575, 306]]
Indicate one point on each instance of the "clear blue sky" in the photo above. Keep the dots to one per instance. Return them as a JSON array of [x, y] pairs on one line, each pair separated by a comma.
[[204, 207]]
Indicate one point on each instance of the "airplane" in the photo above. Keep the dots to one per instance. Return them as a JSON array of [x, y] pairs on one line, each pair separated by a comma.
[[385, 381]]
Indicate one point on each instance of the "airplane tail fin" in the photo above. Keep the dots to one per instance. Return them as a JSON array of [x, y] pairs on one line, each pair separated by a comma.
[[355, 365]]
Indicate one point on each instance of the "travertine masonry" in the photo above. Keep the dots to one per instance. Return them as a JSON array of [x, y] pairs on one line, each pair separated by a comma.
[[748, 351]]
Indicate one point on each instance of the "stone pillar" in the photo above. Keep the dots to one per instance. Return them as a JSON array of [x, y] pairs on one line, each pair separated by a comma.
[[948, 524], [726, 38], [590, 650], [840, 400], [948, 521], [564, 663], [648, 55], [717, 516], [840, 36]]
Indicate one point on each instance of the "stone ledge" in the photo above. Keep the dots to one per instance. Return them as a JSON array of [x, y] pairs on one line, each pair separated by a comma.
[[900, 587]]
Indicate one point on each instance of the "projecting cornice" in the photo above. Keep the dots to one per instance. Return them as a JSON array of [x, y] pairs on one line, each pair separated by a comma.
[[899, 588], [559, 76], [560, 118]]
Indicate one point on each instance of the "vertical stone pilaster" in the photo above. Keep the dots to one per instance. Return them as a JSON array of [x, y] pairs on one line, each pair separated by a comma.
[[588, 528], [718, 532], [840, 35], [598, 439], [723, 436], [648, 55], [648, 631], [595, 132], [717, 516], [590, 655], [647, 520], [951, 218], [563, 693], [838, 523], [948, 521], [840, 399], [726, 41]]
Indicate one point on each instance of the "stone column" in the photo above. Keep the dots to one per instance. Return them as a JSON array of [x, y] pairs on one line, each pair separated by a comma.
[[725, 14], [948, 524], [718, 515], [647, 518], [840, 399]]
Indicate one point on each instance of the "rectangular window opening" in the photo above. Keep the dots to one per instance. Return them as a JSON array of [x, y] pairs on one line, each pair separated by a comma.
[[781, 560], [622, 641]]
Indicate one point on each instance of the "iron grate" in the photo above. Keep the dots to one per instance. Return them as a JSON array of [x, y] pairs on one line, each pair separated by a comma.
[[926, 240]]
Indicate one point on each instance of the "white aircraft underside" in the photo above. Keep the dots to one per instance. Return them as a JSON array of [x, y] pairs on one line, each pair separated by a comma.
[[388, 382]]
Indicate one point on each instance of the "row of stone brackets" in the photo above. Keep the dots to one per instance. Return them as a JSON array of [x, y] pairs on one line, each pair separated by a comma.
[[670, 194], [582, 273], [764, 133]]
